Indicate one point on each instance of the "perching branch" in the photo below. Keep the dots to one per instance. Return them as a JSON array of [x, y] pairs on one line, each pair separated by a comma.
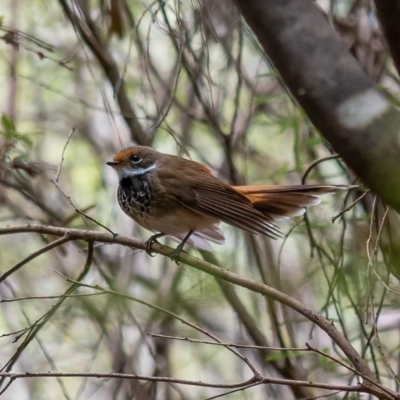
[[114, 375]]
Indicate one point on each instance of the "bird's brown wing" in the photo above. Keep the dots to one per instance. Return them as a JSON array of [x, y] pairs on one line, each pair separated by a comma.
[[252, 208], [231, 207], [203, 193]]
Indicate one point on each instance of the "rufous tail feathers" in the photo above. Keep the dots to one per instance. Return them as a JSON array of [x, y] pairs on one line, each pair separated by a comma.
[[282, 202]]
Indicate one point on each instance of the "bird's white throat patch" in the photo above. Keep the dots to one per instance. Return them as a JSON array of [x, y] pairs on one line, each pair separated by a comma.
[[128, 172]]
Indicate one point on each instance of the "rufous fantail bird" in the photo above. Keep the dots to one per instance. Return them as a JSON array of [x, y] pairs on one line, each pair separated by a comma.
[[180, 198]]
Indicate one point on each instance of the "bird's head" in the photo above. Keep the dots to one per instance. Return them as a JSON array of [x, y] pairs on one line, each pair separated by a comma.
[[133, 161]]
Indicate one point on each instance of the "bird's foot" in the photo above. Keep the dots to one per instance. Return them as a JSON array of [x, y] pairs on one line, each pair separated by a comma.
[[177, 252], [150, 241]]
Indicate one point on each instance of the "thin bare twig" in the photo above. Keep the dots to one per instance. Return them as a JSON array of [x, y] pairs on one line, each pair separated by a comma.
[[388, 391], [233, 391], [34, 255], [314, 164], [63, 152], [176, 316], [115, 375], [88, 31], [42, 321], [82, 214], [237, 346], [349, 207], [59, 296]]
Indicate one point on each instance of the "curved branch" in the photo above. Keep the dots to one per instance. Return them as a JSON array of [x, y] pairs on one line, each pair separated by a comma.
[[115, 375], [32, 256]]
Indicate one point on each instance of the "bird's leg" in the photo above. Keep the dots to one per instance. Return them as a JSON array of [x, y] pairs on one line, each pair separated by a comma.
[[150, 241], [179, 249]]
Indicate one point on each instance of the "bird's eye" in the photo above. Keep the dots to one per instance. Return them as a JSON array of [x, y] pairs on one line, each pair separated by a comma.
[[136, 159]]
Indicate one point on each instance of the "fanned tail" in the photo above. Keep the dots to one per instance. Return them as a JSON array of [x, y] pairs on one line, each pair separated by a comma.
[[282, 202]]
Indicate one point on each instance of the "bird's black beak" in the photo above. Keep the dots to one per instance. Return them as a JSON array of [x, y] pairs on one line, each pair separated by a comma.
[[112, 163]]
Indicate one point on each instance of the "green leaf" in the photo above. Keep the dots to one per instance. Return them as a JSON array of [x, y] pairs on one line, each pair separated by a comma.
[[8, 126]]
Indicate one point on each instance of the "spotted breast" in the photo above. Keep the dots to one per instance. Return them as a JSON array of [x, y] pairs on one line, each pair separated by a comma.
[[135, 197]]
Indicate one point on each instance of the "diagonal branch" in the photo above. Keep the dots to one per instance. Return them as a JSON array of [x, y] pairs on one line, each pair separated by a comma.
[[90, 35], [34, 255]]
